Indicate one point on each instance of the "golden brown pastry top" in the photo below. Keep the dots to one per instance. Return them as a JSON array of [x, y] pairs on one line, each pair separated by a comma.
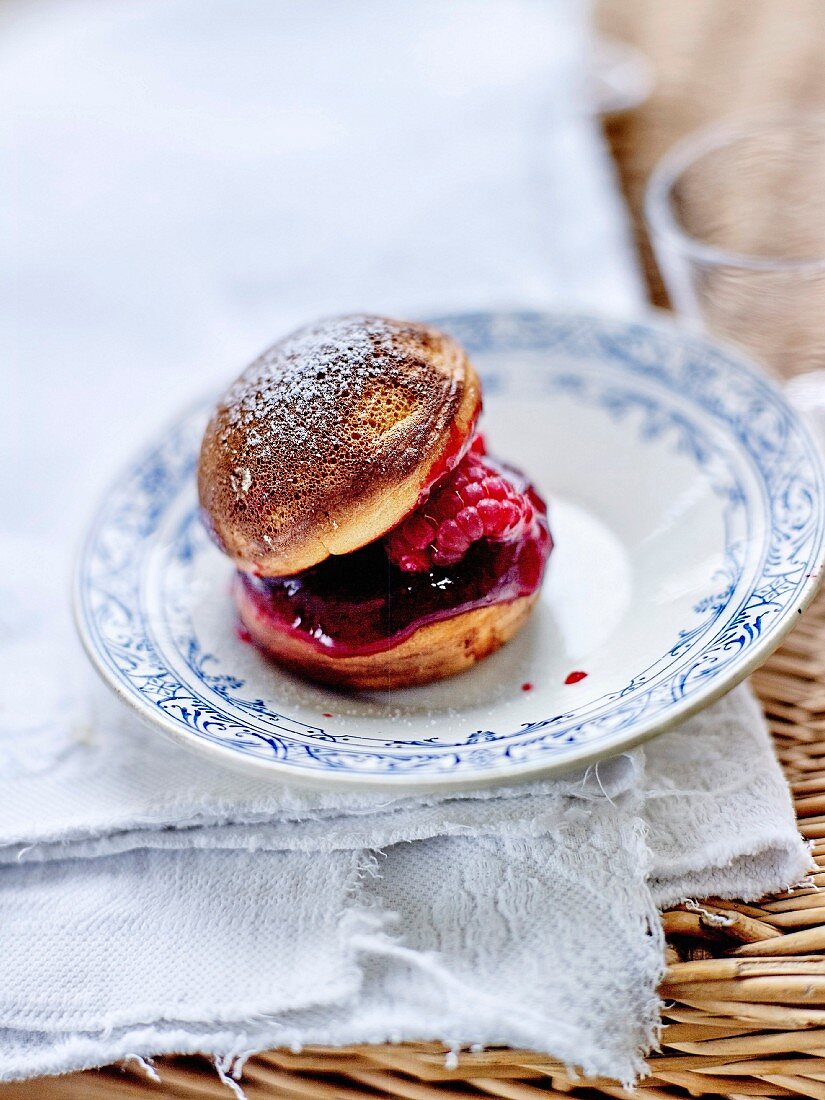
[[330, 438]]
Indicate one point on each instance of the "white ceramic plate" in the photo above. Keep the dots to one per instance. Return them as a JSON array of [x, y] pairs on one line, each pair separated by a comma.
[[686, 500]]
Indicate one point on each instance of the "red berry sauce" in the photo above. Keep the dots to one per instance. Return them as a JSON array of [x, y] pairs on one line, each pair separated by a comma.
[[373, 598]]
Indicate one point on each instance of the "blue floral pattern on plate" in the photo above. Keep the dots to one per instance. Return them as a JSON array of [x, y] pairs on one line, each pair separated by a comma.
[[671, 390]]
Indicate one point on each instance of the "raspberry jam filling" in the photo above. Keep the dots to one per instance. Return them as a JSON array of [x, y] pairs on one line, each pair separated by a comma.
[[480, 538]]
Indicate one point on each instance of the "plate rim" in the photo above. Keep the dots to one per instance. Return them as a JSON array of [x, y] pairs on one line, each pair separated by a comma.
[[506, 772]]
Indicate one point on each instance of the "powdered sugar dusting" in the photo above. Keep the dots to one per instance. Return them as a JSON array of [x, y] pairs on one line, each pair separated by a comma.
[[311, 374], [321, 419]]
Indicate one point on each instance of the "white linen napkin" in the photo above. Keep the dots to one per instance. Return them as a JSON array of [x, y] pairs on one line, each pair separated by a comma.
[[217, 914], [190, 179]]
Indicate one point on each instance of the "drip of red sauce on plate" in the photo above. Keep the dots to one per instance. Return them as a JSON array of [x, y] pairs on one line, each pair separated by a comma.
[[575, 677]]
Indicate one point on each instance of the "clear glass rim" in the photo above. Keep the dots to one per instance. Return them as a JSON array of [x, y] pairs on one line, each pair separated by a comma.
[[685, 153]]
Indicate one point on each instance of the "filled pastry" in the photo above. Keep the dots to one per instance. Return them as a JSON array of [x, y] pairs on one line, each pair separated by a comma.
[[377, 544]]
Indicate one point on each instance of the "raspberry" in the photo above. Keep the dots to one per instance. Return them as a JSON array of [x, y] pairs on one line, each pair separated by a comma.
[[419, 531], [470, 523], [475, 502]]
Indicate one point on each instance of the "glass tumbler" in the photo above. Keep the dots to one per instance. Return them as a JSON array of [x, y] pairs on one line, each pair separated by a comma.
[[736, 215]]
